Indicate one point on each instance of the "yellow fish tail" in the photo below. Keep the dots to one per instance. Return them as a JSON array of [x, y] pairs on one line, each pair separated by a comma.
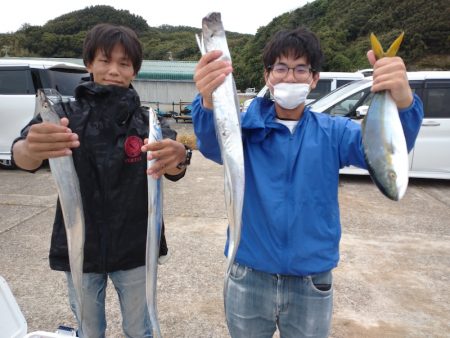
[[392, 51], [378, 49], [376, 46]]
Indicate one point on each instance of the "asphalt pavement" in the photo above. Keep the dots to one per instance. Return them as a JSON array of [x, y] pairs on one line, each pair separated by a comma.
[[392, 280]]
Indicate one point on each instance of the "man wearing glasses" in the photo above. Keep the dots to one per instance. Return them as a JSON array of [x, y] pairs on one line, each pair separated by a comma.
[[290, 221]]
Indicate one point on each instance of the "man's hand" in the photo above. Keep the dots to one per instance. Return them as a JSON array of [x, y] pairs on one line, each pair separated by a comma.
[[45, 140], [389, 73], [209, 74], [167, 155]]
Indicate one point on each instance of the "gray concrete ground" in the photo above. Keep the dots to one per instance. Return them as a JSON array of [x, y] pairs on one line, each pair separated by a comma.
[[392, 280]]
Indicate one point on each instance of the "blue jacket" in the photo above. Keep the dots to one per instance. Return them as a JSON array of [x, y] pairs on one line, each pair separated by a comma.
[[290, 218]]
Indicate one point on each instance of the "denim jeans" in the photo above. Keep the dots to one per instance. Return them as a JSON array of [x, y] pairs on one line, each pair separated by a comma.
[[257, 303], [130, 287]]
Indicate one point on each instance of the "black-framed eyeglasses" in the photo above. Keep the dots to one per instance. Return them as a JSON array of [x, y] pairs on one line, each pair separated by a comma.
[[280, 71]]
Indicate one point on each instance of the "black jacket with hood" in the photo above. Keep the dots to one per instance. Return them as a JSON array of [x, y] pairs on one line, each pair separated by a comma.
[[112, 126]]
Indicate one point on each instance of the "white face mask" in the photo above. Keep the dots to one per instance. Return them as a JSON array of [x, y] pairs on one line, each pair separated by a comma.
[[290, 95]]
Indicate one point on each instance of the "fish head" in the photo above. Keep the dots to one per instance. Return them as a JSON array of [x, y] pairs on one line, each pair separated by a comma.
[[400, 165], [213, 35], [212, 23], [392, 183], [46, 100]]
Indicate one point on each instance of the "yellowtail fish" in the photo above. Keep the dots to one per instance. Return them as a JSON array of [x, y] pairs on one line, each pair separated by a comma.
[[154, 225], [63, 171], [228, 130], [383, 139]]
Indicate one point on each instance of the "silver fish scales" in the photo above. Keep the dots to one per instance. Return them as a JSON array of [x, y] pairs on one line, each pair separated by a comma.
[[154, 225], [385, 147], [68, 187], [383, 139], [228, 130]]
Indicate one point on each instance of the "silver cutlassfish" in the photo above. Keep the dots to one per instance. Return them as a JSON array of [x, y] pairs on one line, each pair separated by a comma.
[[68, 187], [383, 138], [154, 225], [228, 130]]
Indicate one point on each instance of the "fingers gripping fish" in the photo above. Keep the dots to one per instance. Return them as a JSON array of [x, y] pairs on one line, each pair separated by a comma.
[[228, 130], [383, 138], [68, 187], [154, 226]]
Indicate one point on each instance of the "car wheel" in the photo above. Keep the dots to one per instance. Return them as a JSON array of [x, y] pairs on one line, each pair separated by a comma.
[[7, 164]]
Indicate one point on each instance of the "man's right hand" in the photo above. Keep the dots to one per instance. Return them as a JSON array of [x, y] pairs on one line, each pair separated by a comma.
[[209, 74], [44, 141]]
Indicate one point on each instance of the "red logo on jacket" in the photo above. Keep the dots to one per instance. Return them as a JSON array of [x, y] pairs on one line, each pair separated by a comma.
[[132, 148]]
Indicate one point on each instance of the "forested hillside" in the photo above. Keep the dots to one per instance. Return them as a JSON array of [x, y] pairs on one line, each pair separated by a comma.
[[342, 25]]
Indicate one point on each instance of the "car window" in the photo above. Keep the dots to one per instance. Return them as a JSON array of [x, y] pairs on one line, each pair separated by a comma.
[[437, 101], [340, 83], [63, 80], [15, 82], [337, 94], [323, 87], [347, 106]]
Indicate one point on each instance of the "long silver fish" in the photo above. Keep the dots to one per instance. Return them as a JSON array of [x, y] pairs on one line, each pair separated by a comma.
[[228, 130], [383, 138], [154, 225], [68, 187]]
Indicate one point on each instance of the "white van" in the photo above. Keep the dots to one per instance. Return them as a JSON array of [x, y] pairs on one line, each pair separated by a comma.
[[19, 81], [328, 82], [430, 157]]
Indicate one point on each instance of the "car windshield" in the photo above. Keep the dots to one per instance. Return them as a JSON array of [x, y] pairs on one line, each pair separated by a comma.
[[341, 92], [66, 80]]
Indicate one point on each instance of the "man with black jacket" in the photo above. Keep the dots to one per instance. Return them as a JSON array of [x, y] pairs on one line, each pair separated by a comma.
[[105, 131]]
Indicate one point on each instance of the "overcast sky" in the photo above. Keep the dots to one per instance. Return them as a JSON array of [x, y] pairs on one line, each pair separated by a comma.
[[242, 16]]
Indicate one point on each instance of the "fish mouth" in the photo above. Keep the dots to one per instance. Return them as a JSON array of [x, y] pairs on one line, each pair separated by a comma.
[[390, 184]]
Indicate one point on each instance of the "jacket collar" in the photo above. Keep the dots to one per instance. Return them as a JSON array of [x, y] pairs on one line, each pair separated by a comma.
[[118, 102], [259, 119]]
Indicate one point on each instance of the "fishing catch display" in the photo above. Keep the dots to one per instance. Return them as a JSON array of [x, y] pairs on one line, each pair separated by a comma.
[[154, 226], [228, 130], [383, 139], [48, 102]]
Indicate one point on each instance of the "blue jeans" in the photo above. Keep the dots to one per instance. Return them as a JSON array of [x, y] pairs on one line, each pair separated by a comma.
[[257, 303], [130, 287]]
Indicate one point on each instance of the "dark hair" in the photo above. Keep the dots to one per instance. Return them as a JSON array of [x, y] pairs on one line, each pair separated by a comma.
[[295, 43], [105, 37]]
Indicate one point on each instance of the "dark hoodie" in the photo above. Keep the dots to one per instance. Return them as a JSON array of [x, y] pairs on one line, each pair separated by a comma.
[[112, 126]]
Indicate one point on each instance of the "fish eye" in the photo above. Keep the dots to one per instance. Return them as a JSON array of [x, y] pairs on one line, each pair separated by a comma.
[[392, 175]]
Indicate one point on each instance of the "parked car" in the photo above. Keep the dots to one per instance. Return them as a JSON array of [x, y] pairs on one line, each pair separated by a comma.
[[19, 81], [328, 82], [430, 157]]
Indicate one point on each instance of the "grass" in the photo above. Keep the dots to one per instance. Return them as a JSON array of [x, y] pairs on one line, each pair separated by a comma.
[[188, 139]]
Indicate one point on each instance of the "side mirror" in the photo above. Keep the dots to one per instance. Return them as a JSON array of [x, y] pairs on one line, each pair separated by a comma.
[[361, 111]]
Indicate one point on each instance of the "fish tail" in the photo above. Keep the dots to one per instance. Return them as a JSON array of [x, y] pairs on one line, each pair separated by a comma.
[[376, 46], [378, 49], [392, 51]]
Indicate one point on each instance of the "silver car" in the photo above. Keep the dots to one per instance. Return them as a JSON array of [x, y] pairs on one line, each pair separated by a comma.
[[19, 81]]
